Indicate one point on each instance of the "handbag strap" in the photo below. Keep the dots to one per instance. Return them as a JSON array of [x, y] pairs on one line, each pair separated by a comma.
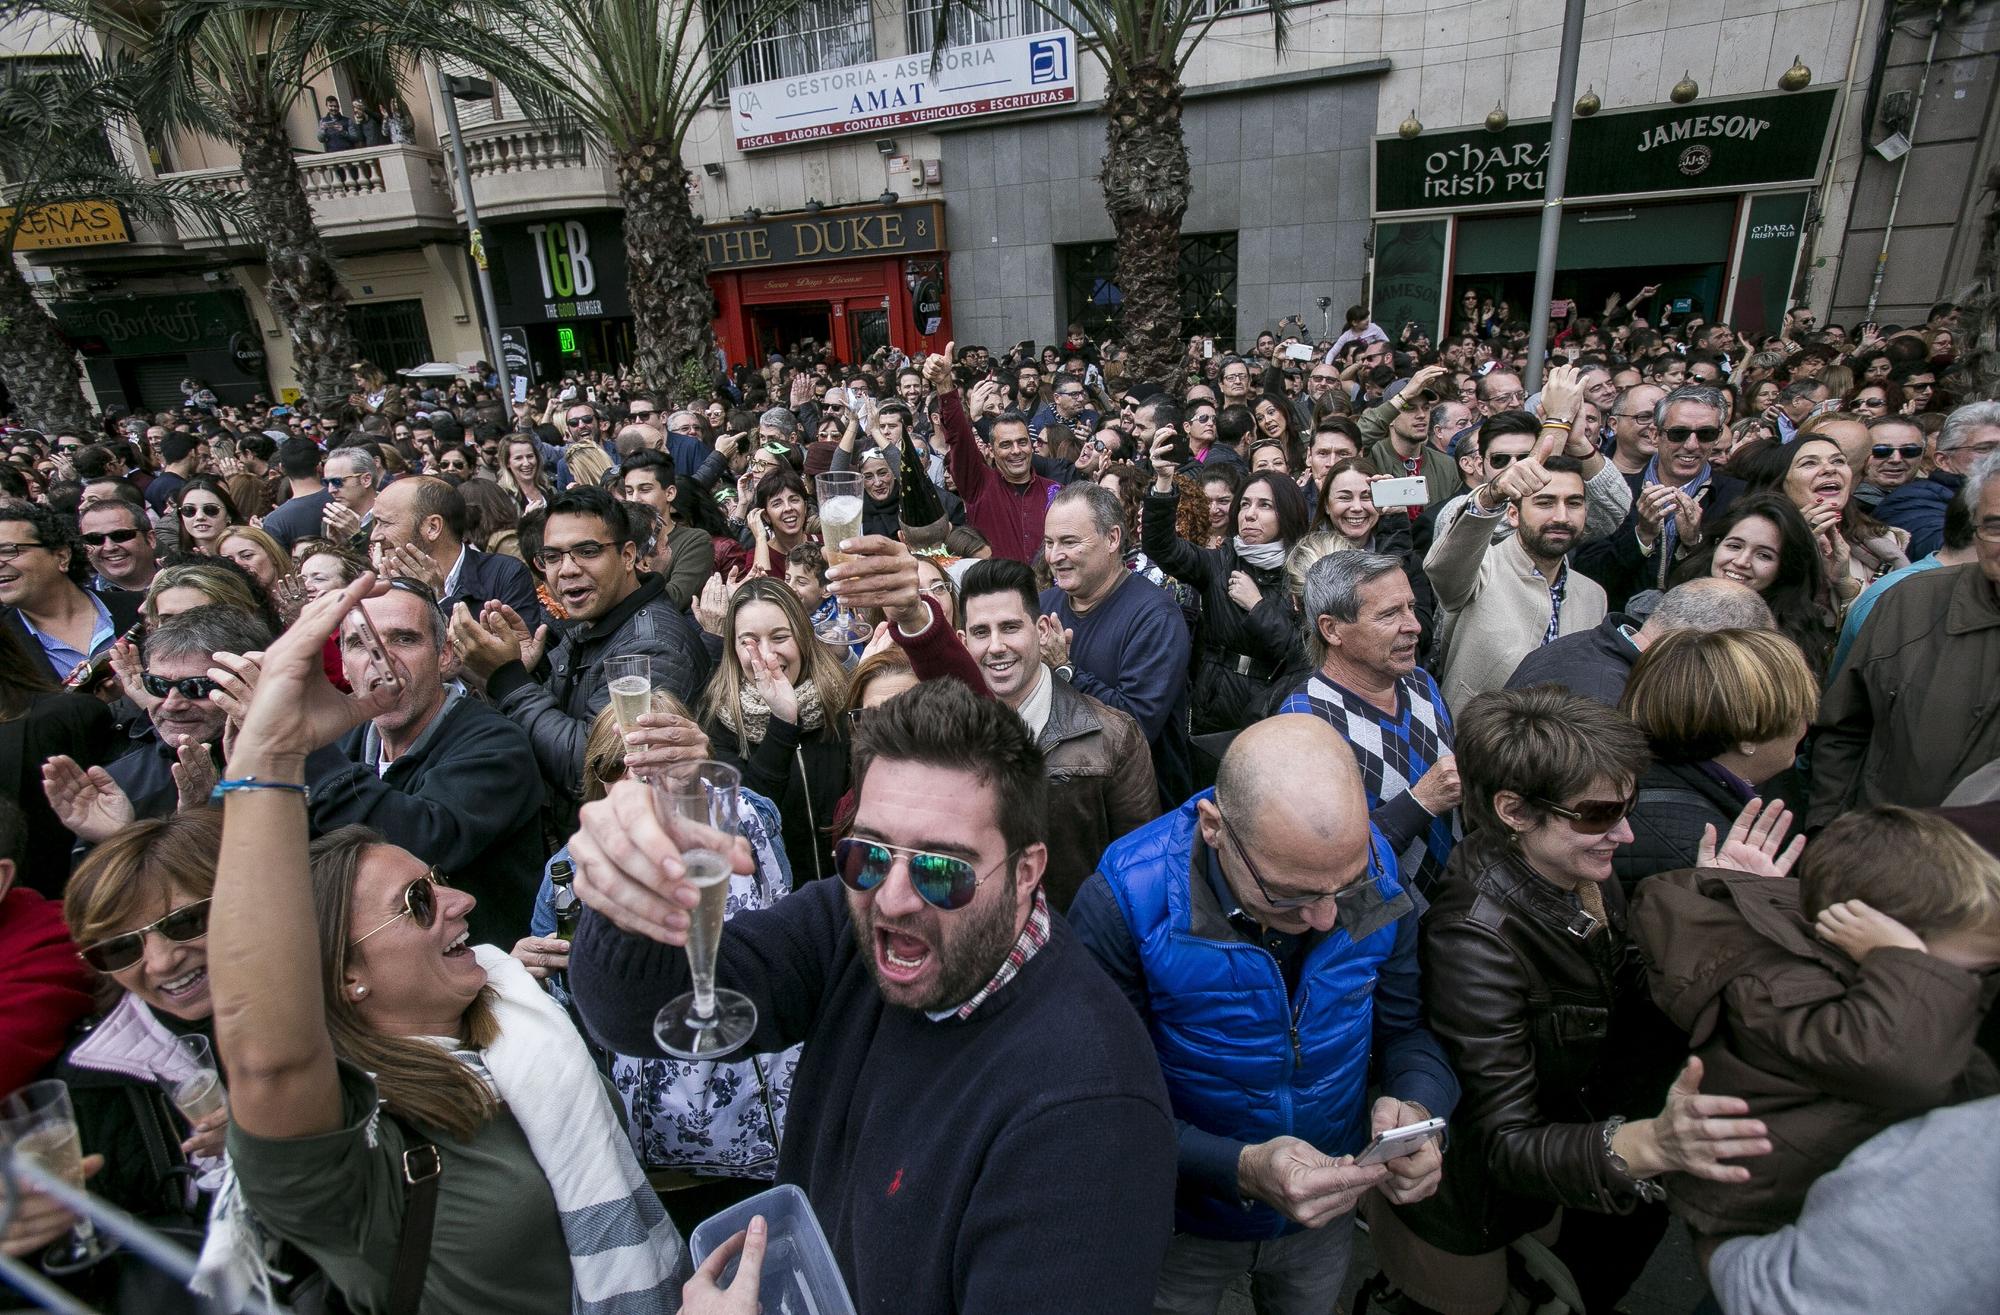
[[421, 1167]]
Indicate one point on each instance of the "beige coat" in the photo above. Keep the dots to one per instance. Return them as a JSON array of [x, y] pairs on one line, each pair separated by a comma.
[[1493, 607]]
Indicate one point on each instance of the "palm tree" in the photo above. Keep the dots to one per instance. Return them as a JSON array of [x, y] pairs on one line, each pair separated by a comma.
[[53, 152], [1143, 47], [233, 72], [635, 74]]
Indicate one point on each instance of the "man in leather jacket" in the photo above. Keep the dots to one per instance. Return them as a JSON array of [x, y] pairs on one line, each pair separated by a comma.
[[590, 563], [1099, 768]]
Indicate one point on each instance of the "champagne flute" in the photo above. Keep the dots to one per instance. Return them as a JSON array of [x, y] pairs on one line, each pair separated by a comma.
[[700, 807], [39, 1124], [197, 1093], [629, 676], [841, 501]]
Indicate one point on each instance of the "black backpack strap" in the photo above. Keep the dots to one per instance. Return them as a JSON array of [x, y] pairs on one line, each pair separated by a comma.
[[421, 1167]]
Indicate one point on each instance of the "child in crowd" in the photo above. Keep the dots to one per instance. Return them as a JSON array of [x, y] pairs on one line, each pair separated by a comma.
[[1835, 1005], [805, 572]]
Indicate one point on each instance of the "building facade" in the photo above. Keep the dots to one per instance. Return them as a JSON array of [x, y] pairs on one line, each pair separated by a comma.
[[1389, 155]]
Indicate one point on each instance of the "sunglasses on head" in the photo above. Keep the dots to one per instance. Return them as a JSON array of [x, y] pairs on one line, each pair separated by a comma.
[[190, 687], [115, 954], [1881, 452], [98, 538], [419, 904], [940, 880], [1593, 817]]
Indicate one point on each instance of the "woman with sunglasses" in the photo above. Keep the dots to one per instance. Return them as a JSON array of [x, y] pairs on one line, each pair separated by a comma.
[[1249, 635], [1570, 1109], [138, 908], [773, 710], [707, 1132], [204, 513], [381, 1065], [1724, 713], [1815, 472]]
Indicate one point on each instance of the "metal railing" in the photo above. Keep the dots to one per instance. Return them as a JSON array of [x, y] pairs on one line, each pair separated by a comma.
[[819, 34], [18, 1172]]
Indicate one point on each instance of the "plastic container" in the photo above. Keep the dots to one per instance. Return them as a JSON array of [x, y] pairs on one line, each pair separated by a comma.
[[800, 1275]]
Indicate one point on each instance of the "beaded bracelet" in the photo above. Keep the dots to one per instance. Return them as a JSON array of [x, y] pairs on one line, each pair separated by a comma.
[[252, 783]]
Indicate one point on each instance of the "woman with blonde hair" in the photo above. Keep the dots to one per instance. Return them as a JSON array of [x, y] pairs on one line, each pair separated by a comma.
[[774, 712], [1724, 712], [260, 555], [587, 464]]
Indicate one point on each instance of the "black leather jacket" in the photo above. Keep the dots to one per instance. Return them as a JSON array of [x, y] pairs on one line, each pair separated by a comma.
[[1551, 1033]]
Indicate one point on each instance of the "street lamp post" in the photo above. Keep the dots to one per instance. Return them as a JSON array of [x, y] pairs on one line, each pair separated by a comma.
[[451, 90], [1557, 170]]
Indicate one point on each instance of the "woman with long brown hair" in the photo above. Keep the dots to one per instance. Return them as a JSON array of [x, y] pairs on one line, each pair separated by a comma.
[[380, 1064], [774, 711]]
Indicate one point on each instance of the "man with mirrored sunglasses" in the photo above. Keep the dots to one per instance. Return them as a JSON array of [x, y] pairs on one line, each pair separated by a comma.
[[977, 1117], [1264, 936]]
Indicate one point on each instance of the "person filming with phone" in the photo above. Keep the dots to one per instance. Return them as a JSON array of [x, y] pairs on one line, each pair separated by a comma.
[[1263, 935]]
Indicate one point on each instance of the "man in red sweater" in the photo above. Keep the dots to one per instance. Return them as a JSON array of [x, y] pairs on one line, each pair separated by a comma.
[[44, 983], [1007, 500]]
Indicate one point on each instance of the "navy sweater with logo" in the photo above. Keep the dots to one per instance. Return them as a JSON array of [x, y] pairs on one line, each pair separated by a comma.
[[1018, 1161]]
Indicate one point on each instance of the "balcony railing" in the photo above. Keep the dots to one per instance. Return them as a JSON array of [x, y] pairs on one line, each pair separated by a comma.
[[521, 167], [376, 191]]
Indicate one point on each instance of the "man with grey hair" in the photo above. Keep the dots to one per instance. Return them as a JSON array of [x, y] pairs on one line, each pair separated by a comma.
[[172, 759], [1970, 433], [1677, 490], [353, 477], [1114, 634], [1361, 632], [440, 774], [778, 425], [1910, 714], [1797, 401], [1597, 662], [1961, 548]]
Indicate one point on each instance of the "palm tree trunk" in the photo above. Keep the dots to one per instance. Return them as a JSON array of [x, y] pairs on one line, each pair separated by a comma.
[[304, 290], [1146, 186], [666, 272], [40, 368]]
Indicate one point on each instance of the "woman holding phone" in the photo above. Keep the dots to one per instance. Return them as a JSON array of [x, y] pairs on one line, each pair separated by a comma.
[[1248, 634]]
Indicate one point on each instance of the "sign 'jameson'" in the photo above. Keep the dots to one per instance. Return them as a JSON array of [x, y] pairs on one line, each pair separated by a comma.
[[1754, 141], [989, 78]]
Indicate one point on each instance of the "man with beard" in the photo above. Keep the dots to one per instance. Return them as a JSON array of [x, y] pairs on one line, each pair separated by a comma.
[[931, 977], [1498, 602]]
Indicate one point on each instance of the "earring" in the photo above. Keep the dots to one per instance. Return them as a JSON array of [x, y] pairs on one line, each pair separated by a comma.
[[360, 992]]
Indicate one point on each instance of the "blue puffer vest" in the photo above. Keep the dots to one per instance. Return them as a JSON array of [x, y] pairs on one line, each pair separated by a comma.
[[1241, 1057]]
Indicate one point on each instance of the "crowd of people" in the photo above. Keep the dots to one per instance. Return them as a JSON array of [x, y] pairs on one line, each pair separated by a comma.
[[1336, 788]]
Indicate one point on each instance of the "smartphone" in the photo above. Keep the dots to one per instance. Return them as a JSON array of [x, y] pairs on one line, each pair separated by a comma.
[[1298, 351], [1409, 492], [371, 644], [1180, 451], [1207, 347], [1395, 1143]]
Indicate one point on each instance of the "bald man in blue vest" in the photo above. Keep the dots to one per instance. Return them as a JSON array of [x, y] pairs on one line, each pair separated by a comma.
[[1263, 935]]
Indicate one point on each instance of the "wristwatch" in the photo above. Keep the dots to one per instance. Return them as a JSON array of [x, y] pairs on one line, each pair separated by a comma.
[[1068, 672]]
